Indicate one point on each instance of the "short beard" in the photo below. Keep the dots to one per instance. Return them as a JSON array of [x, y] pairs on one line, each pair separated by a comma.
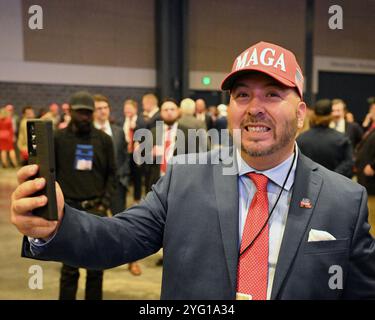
[[169, 122], [83, 127], [288, 135]]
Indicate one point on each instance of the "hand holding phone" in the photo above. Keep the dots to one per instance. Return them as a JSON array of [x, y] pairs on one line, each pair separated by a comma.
[[40, 143]]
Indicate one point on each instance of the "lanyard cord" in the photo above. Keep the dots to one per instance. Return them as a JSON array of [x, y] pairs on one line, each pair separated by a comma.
[[273, 208]]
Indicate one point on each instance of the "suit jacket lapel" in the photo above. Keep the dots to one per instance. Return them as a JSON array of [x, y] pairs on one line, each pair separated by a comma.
[[226, 191], [307, 184]]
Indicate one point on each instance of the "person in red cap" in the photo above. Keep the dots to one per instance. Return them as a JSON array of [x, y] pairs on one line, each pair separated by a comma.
[[256, 221]]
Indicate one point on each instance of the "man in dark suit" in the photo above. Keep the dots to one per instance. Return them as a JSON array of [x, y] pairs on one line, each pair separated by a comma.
[[351, 129], [365, 165], [151, 111], [151, 114], [326, 146], [259, 221], [201, 113], [170, 138], [101, 121]]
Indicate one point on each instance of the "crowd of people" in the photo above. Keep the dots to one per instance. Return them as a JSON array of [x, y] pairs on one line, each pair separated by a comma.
[[95, 166], [271, 230], [332, 138], [95, 162]]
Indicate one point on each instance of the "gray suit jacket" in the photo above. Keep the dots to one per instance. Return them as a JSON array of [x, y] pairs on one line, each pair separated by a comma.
[[199, 234]]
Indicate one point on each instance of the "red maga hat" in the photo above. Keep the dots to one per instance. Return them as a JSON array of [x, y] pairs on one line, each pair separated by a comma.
[[273, 60]]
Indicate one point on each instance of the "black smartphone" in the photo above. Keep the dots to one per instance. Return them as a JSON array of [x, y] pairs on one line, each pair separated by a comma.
[[40, 143]]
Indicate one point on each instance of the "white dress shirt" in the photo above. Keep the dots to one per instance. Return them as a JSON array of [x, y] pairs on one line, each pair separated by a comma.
[[106, 127], [338, 126]]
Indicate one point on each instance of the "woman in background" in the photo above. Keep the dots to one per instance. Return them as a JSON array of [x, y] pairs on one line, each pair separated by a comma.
[[6, 139]]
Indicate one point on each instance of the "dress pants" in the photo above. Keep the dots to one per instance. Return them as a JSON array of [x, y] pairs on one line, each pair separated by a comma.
[[118, 201], [136, 175], [70, 275], [69, 283]]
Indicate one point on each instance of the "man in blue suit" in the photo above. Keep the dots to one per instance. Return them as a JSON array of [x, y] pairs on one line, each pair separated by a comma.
[[259, 221]]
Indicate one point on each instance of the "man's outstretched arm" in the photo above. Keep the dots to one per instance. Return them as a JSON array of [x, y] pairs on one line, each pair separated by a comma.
[[85, 240]]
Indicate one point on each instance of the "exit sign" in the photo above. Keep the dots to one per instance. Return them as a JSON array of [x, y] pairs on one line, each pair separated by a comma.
[[206, 80]]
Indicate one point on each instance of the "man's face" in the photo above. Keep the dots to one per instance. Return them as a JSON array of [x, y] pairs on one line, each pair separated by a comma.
[[29, 114], [129, 110], [82, 120], [54, 108], [200, 106], [102, 111], [65, 107], [9, 108], [148, 104], [169, 112], [212, 110], [338, 111], [268, 115]]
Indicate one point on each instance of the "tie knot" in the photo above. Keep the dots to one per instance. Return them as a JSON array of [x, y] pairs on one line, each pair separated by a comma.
[[259, 180]]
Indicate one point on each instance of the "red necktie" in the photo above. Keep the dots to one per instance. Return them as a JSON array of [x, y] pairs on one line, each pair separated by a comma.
[[252, 273], [167, 144]]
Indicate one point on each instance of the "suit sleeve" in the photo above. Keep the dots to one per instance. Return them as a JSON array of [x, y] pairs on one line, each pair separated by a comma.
[[360, 282], [93, 242]]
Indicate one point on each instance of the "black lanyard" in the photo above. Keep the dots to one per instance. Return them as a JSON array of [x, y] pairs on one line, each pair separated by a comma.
[[273, 208]]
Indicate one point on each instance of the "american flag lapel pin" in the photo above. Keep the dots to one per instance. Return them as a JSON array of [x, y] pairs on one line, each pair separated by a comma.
[[305, 203]]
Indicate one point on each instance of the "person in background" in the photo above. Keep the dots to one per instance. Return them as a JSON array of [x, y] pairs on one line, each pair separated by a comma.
[[147, 120], [7, 139], [212, 112], [324, 145], [368, 123], [351, 129], [41, 112], [85, 170], [101, 121], [65, 117], [129, 127], [15, 121], [221, 125], [27, 114], [365, 160], [365, 169], [187, 118], [349, 117], [151, 112], [53, 114], [201, 113]]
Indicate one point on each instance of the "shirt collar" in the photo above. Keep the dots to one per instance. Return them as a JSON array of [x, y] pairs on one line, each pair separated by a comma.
[[99, 126], [276, 174]]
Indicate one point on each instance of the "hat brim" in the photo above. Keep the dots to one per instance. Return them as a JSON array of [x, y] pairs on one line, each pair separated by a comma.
[[81, 107], [229, 80]]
